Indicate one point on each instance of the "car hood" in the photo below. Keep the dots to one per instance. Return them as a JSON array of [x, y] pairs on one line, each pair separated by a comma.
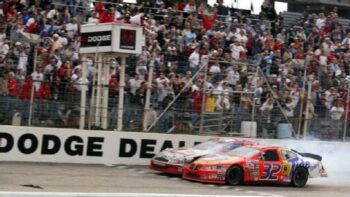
[[218, 159], [182, 153]]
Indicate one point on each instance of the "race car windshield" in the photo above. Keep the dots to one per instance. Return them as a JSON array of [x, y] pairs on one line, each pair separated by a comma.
[[243, 152], [210, 145]]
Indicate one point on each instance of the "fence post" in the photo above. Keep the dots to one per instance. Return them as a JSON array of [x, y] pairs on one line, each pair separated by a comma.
[[121, 93], [148, 96], [83, 93], [99, 91], [301, 106], [308, 97], [346, 112], [32, 89], [204, 92]]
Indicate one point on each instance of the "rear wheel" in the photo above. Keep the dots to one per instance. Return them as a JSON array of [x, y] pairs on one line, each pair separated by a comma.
[[234, 175], [300, 177]]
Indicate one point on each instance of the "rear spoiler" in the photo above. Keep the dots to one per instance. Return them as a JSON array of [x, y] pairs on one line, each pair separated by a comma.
[[310, 155]]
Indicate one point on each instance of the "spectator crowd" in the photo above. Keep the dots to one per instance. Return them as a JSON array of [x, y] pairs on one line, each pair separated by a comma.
[[242, 61]]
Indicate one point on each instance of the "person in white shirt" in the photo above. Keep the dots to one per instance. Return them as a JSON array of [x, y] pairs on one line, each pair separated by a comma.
[[134, 84], [141, 69], [22, 60], [52, 13], [289, 107], [337, 111], [190, 6], [215, 69], [321, 21], [236, 50], [92, 19], [75, 76], [233, 75], [241, 36], [49, 67], [346, 41], [37, 77], [330, 96], [194, 60], [266, 109], [62, 38], [222, 93], [72, 28]]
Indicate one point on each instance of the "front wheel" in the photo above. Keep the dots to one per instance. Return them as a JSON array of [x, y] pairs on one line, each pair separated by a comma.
[[300, 177], [234, 175]]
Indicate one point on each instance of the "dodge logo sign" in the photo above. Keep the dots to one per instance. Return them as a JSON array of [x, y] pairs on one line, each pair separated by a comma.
[[93, 39]]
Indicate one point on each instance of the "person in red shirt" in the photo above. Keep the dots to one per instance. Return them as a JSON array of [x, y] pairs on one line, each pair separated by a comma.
[[299, 55], [12, 85], [44, 92], [208, 21], [10, 13], [106, 17], [25, 92], [197, 102], [113, 86]]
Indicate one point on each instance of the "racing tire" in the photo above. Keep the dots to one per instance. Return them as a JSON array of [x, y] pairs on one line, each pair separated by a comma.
[[234, 175], [300, 177]]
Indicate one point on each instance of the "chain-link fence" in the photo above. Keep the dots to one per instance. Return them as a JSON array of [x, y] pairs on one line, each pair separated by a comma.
[[210, 106]]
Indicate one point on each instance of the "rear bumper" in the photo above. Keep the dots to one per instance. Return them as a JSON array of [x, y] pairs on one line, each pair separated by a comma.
[[165, 167], [203, 176]]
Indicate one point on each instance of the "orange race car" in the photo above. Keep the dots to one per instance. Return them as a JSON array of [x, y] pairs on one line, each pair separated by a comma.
[[256, 164]]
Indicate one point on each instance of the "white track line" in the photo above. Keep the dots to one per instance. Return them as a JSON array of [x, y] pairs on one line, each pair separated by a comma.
[[70, 194]]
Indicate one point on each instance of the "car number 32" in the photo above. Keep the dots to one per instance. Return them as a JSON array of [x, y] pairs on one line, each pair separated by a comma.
[[270, 171]]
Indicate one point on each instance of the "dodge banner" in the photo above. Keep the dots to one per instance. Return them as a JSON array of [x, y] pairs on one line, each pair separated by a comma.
[[81, 146]]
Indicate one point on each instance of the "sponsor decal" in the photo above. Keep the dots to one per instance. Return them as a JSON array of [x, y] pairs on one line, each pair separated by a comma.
[[95, 39], [270, 171], [74, 145]]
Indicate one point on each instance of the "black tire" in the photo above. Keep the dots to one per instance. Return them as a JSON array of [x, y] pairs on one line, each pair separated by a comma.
[[234, 175], [300, 177]]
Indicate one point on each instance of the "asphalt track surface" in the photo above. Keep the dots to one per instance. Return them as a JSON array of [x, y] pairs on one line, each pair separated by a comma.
[[40, 179]]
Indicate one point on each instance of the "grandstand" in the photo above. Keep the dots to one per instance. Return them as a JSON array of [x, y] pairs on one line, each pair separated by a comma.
[[214, 68]]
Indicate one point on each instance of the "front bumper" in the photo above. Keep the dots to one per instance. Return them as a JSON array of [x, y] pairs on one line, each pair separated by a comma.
[[203, 176], [166, 167]]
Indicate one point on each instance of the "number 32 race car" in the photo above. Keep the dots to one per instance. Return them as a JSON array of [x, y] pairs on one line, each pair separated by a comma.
[[256, 164], [172, 160]]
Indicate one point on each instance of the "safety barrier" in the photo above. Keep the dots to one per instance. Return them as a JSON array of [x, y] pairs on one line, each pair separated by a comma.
[[32, 144]]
